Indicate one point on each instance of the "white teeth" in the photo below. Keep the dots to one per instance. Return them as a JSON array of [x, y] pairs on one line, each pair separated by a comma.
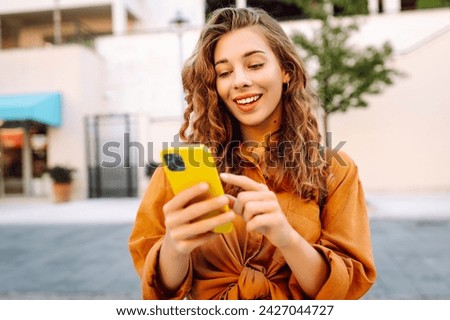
[[248, 100]]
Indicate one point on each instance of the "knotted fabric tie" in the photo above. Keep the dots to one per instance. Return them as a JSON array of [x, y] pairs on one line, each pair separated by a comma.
[[252, 284]]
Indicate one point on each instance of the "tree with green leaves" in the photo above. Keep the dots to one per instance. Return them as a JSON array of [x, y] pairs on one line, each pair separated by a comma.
[[345, 75]]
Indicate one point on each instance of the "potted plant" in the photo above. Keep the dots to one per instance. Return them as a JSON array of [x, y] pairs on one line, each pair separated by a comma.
[[62, 182]]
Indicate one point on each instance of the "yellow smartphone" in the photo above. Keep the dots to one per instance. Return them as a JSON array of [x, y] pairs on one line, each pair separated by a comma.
[[190, 164]]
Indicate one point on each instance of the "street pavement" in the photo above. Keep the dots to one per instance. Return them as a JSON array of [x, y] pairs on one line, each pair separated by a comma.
[[78, 250]]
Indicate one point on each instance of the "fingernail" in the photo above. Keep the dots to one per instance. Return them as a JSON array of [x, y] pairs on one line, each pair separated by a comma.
[[224, 176]]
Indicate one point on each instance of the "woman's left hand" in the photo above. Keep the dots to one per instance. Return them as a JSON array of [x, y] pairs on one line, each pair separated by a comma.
[[260, 209]]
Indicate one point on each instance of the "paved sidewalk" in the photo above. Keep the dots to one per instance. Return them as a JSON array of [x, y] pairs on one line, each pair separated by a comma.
[[78, 250]]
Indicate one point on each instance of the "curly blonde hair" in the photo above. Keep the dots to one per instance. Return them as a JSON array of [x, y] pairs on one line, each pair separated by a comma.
[[208, 121]]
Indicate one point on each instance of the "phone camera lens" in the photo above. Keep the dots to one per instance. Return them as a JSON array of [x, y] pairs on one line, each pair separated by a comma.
[[174, 162]]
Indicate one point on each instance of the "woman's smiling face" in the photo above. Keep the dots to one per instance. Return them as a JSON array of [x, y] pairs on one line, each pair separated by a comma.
[[249, 80]]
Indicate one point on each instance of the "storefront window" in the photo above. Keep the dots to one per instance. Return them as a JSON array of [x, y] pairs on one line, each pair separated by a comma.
[[11, 141], [38, 137], [12, 148]]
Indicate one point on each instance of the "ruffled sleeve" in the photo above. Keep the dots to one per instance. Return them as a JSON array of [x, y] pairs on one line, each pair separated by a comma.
[[146, 239]]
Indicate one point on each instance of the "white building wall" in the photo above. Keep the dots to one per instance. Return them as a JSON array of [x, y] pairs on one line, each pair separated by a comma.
[[401, 141], [391, 6], [143, 72], [404, 30], [159, 14], [372, 6], [75, 72], [144, 77]]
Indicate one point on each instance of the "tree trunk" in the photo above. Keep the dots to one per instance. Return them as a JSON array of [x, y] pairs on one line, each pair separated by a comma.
[[327, 137]]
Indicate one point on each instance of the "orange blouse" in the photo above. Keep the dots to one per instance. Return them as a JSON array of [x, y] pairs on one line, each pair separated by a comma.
[[242, 265]]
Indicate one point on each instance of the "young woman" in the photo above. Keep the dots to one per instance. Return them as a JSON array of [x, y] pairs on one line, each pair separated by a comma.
[[300, 224]]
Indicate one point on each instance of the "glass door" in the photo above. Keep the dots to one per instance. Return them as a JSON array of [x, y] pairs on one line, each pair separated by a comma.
[[11, 141]]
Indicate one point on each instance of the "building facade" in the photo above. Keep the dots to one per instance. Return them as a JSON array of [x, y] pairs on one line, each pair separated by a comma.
[[115, 67]]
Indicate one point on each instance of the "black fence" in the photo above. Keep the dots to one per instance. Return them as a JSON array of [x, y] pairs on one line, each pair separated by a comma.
[[112, 167]]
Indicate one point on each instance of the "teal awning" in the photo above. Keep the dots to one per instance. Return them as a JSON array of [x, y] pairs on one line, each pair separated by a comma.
[[40, 107]]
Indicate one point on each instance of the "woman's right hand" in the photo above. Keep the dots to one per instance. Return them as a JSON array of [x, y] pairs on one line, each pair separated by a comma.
[[183, 232]]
